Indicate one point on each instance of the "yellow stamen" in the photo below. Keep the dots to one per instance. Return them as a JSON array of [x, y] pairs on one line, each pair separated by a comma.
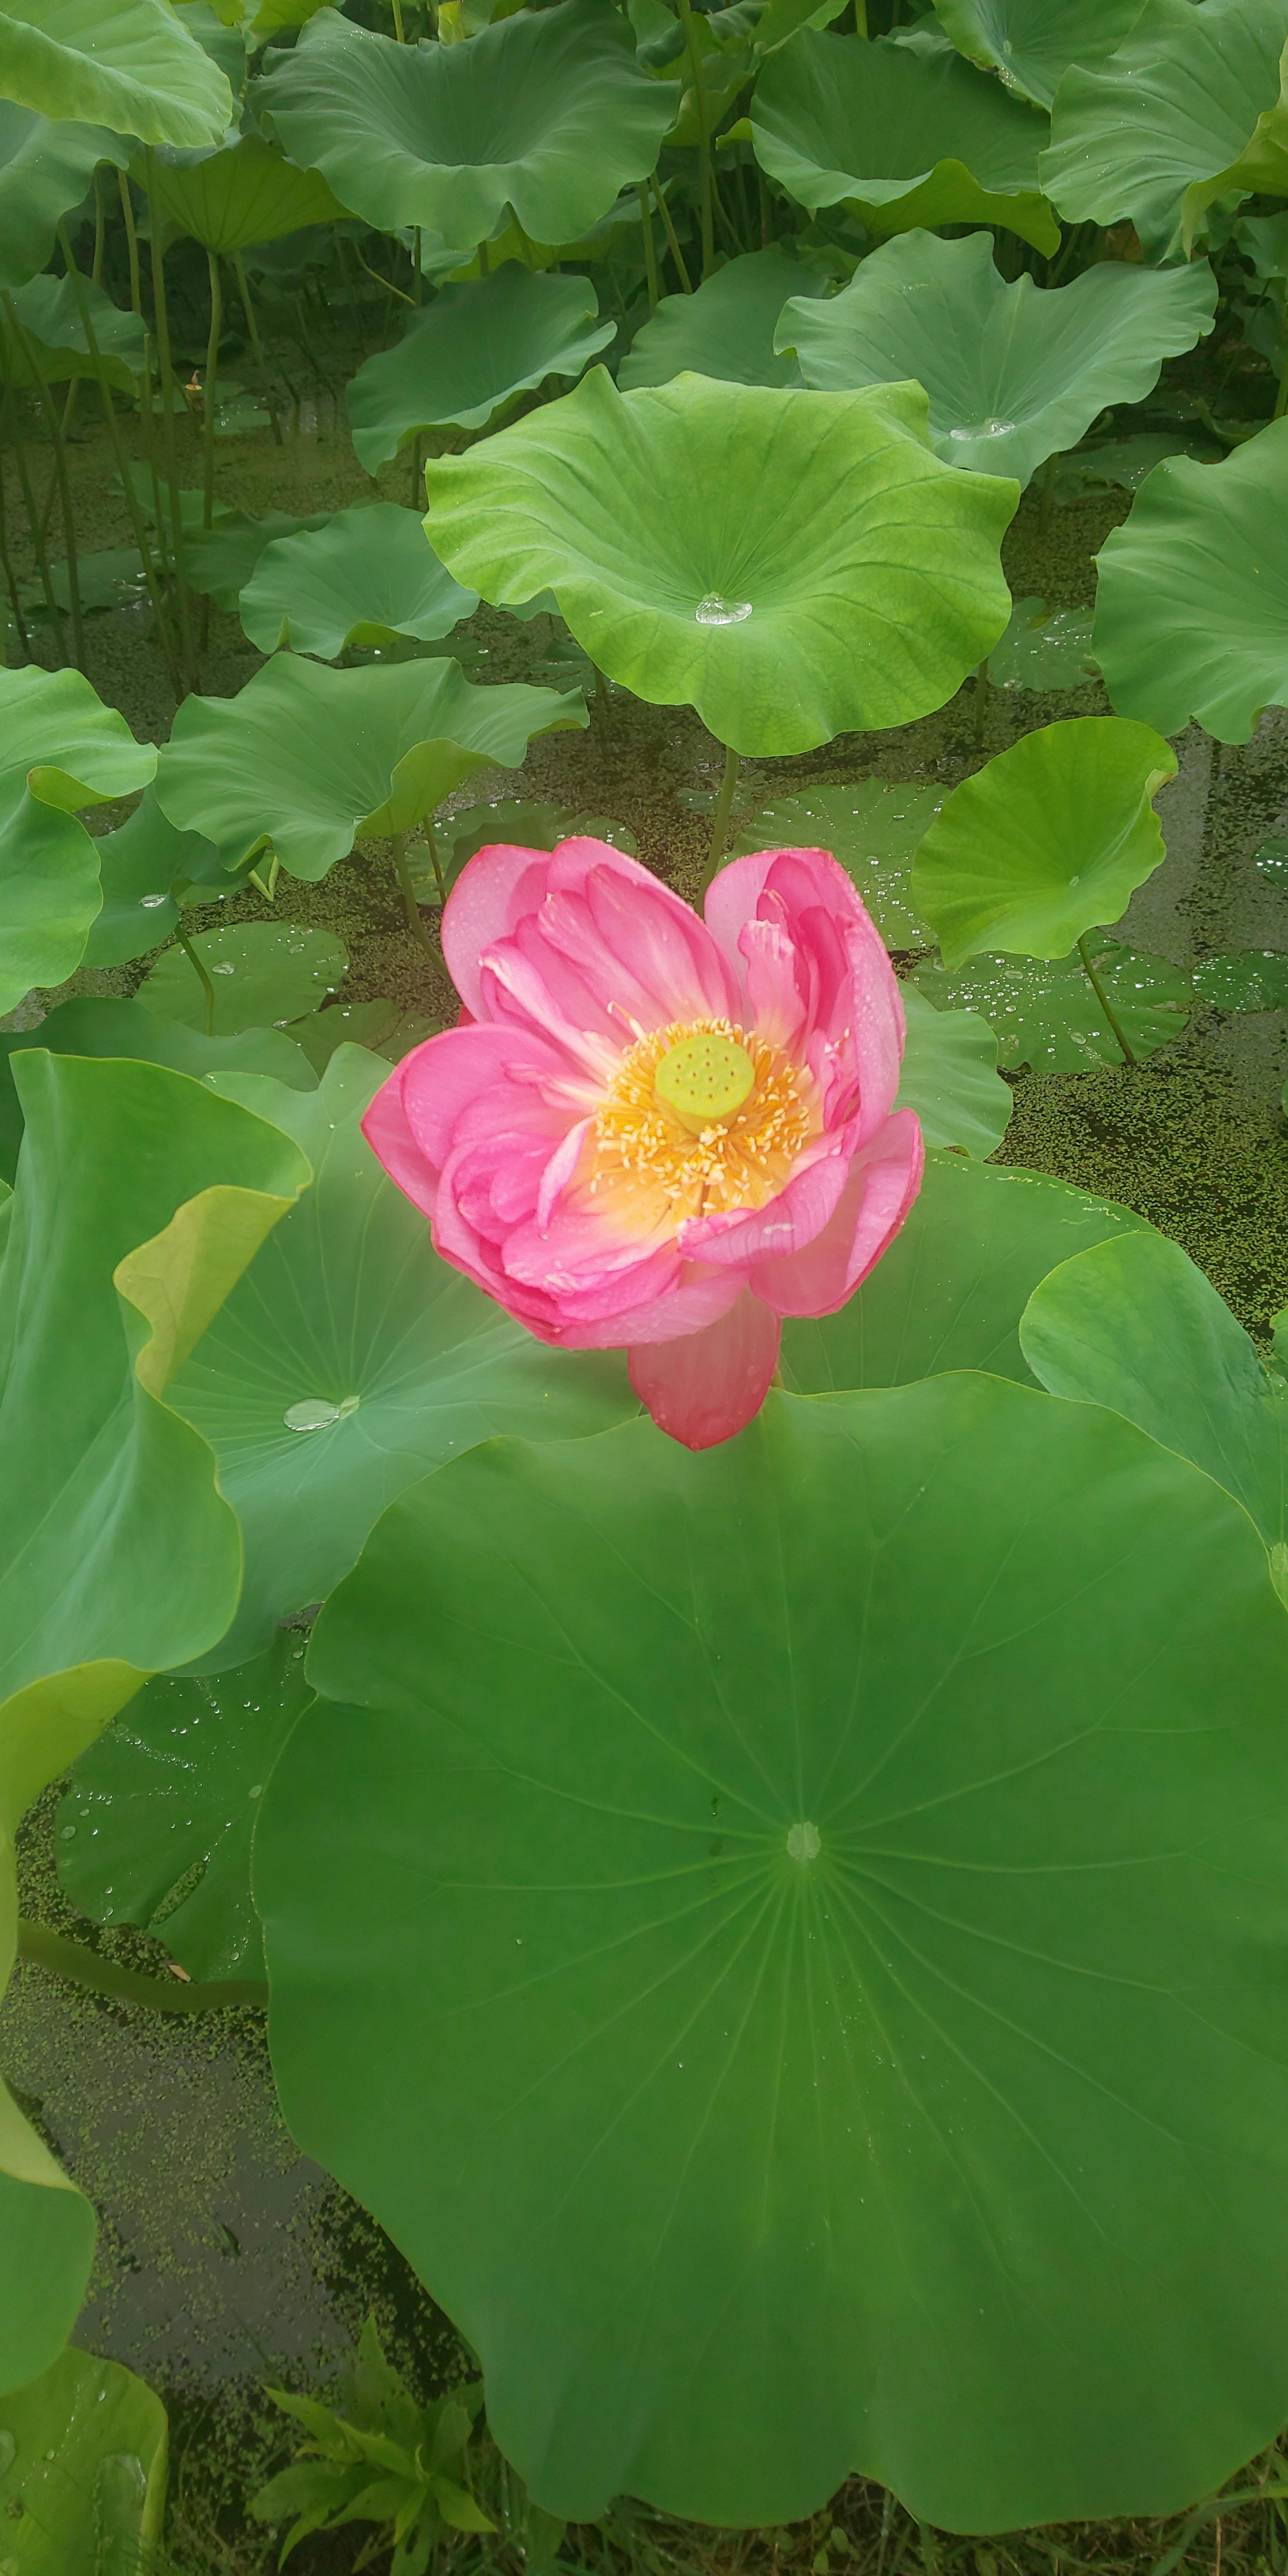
[[645, 1150]]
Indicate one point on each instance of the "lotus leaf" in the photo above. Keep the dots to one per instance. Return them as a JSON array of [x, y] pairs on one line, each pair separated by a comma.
[[113, 578], [263, 974], [849, 579], [221, 559], [1123, 463], [145, 866], [45, 169], [1048, 1015], [367, 577], [155, 1828], [727, 328], [1135, 1326], [902, 138], [464, 357], [49, 313], [126, 64], [545, 114], [139, 1198], [221, 33], [874, 830], [60, 747], [356, 1360], [951, 1290], [783, 18], [1192, 600], [786, 1833], [950, 1078], [1043, 652], [96, 1027], [1166, 118], [84, 2472], [1012, 372], [1049, 840], [1256, 981], [313, 759], [248, 192], [1030, 44]]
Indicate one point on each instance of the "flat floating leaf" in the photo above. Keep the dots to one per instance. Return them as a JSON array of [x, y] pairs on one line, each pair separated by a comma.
[[155, 1828], [246, 193], [314, 759], [902, 137], [874, 830], [132, 67], [60, 747], [1125, 462], [849, 579], [83, 2453], [1043, 652], [1012, 372], [464, 357], [1192, 598], [354, 1362], [1256, 981], [793, 1831], [1171, 111], [264, 973], [1049, 840], [45, 169], [546, 114], [1047, 1016], [950, 1078], [113, 578], [368, 576], [727, 327], [1030, 44], [951, 1290]]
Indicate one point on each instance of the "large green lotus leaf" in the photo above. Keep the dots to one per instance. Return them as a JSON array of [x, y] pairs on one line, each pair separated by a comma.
[[155, 1828], [848, 579], [263, 973], [1135, 1326], [82, 2471], [950, 1291], [60, 747], [314, 759], [757, 1930], [248, 192], [49, 312], [126, 64], [465, 356], [546, 114], [1047, 1015], [141, 866], [1192, 595], [1049, 840], [1030, 44], [950, 1077], [1172, 111], [353, 1361], [45, 170], [727, 328], [89, 1026], [368, 576], [874, 829], [1012, 372], [140, 1197], [902, 137], [221, 559]]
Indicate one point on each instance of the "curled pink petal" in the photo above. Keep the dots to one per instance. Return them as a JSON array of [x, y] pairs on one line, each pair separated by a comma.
[[710, 1385], [883, 1181]]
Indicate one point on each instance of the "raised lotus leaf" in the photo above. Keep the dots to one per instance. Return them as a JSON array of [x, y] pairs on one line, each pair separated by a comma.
[[466, 356], [903, 138], [727, 327], [794, 1830], [1158, 130], [366, 577], [1049, 840], [49, 314], [873, 828], [45, 170], [82, 2469], [248, 192], [262, 974], [950, 1078], [313, 760], [848, 580], [132, 67], [1012, 372], [355, 1362], [60, 748], [1188, 614], [1030, 44], [546, 115], [1049, 1015]]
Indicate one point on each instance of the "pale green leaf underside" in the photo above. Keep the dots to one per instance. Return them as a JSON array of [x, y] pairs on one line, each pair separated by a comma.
[[246, 193], [727, 327], [370, 574], [45, 169], [466, 356], [48, 310]]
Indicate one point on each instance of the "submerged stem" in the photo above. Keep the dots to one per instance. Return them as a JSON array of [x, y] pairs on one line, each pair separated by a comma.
[[1106, 1005], [720, 813], [408, 891], [431, 844], [199, 971], [73, 1959]]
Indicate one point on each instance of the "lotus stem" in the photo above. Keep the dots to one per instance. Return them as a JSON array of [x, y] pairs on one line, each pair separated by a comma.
[[720, 813], [155, 589], [50, 410], [431, 844], [408, 891], [650, 247], [83, 1966], [1046, 504], [398, 22], [210, 391], [11, 581], [257, 345], [132, 245], [161, 319], [36, 525], [1106, 1005], [705, 176], [669, 229], [203, 978]]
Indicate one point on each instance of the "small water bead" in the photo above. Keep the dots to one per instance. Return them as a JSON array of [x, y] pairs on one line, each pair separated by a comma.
[[313, 1414], [985, 429], [804, 1842], [223, 969], [149, 902], [715, 611]]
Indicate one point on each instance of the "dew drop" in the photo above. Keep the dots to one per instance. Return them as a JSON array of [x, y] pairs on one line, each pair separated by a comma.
[[715, 611], [984, 429], [313, 1414], [149, 902], [69, 1833], [223, 969], [804, 1842]]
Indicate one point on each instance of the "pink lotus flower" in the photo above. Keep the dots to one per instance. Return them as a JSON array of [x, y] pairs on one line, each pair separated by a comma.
[[654, 1132]]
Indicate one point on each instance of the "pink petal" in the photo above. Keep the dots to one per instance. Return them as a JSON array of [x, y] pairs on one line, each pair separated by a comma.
[[466, 1083], [386, 1128], [884, 1180], [710, 1385], [487, 900], [695, 1299]]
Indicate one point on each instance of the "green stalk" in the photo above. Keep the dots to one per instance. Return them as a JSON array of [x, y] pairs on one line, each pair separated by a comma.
[[705, 175], [210, 391], [1046, 504], [50, 410], [650, 247], [84, 1967], [177, 547], [36, 526], [203, 978], [252, 329], [100, 227], [11, 580], [1106, 1005], [720, 814], [431, 843], [155, 588], [408, 892], [132, 245], [669, 230]]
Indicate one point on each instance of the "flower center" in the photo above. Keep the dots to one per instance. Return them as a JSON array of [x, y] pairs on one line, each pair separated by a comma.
[[703, 1118]]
